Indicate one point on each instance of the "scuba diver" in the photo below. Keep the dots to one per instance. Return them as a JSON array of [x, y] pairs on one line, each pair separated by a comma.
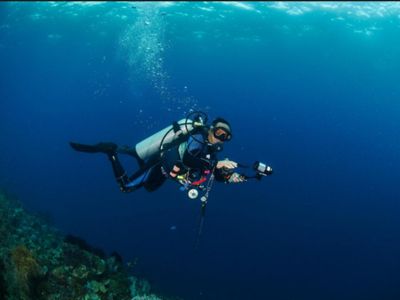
[[185, 152]]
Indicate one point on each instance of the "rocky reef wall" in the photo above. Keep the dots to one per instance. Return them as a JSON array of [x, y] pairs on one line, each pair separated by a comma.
[[39, 263]]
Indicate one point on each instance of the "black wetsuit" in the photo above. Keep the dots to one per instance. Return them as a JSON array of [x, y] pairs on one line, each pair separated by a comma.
[[198, 157]]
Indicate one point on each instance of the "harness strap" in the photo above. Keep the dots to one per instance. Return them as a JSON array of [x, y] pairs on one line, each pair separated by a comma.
[[176, 127]]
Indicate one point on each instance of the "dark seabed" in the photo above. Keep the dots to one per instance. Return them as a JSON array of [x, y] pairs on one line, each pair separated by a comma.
[[312, 89]]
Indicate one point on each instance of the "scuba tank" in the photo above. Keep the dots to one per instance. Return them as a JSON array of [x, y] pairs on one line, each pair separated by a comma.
[[151, 148]]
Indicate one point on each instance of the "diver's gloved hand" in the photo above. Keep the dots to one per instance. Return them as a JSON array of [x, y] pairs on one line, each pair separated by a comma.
[[177, 174], [236, 178], [177, 169], [226, 164]]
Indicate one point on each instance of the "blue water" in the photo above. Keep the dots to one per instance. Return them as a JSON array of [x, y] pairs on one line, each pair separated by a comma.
[[312, 89]]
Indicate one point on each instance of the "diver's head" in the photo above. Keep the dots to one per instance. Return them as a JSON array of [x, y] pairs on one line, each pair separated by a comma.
[[220, 131]]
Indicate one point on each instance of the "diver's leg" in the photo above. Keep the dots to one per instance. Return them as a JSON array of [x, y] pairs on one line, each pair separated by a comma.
[[138, 179], [119, 172], [131, 151], [108, 148], [132, 183], [154, 179], [111, 150], [126, 183], [125, 149]]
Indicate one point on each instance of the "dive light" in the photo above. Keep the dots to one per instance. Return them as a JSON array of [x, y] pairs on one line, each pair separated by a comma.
[[262, 168]]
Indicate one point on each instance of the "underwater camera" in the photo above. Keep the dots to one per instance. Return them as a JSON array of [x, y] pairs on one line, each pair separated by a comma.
[[262, 169]]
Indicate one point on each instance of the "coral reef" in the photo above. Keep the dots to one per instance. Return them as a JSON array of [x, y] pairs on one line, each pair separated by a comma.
[[25, 271], [38, 263]]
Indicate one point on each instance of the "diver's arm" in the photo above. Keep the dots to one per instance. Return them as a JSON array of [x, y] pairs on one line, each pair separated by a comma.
[[226, 164]]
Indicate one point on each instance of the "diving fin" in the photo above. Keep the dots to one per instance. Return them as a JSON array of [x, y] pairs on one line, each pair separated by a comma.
[[108, 148]]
